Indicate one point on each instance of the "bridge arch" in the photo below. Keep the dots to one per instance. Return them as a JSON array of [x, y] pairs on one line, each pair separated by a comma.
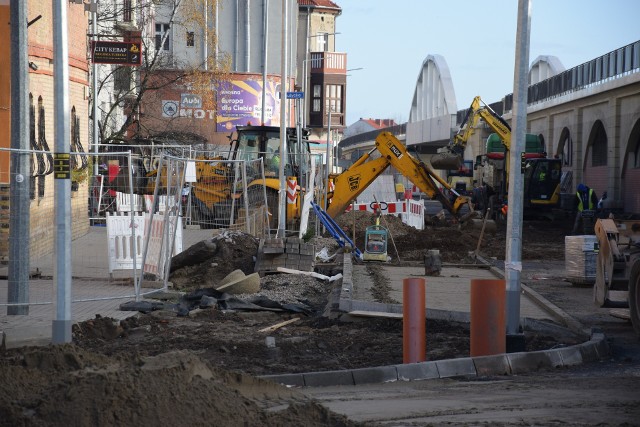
[[434, 95], [565, 148], [631, 171], [595, 165]]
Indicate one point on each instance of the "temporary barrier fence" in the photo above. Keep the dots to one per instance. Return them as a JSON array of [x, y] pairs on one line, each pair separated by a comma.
[[410, 211]]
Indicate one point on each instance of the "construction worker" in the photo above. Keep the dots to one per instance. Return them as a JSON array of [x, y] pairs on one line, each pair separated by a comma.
[[586, 200]]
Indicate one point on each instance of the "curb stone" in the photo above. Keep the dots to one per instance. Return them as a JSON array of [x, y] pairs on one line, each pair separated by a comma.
[[480, 366]]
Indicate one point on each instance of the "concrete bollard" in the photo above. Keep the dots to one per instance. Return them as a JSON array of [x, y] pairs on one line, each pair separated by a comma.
[[414, 347], [432, 263], [488, 328]]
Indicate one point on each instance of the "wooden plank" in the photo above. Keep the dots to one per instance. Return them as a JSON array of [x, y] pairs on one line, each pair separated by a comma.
[[279, 325]]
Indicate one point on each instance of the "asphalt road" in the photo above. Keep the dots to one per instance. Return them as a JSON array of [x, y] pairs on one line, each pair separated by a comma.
[[600, 393]]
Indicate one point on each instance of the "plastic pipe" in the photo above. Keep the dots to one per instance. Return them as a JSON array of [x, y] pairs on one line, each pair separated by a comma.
[[414, 346], [488, 328]]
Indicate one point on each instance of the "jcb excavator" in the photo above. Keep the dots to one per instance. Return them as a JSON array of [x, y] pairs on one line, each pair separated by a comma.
[[214, 187], [353, 181], [541, 175]]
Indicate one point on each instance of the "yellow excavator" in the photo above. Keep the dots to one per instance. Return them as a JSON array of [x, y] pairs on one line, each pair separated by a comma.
[[354, 180], [542, 175]]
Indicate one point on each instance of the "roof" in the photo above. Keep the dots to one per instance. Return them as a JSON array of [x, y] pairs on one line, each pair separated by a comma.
[[380, 123], [326, 4]]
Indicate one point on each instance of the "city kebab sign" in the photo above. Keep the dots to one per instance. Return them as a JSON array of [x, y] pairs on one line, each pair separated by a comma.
[[121, 53]]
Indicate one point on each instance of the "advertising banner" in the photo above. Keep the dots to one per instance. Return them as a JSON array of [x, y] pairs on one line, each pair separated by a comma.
[[240, 103]]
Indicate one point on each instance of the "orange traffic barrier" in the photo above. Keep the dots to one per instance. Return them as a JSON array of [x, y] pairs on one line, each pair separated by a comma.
[[488, 329], [414, 339]]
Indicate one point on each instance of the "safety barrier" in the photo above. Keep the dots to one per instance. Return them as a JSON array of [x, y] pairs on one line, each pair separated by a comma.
[[123, 202], [410, 211], [123, 244]]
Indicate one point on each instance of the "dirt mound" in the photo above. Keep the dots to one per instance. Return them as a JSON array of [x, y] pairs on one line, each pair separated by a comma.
[[223, 254], [173, 388], [540, 239]]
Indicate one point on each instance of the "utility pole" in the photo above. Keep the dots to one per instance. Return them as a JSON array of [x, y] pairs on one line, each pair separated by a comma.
[[20, 172], [61, 332], [513, 258], [282, 201]]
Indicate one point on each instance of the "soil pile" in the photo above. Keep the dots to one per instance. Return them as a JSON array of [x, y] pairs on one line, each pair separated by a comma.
[[171, 368], [63, 385], [540, 239]]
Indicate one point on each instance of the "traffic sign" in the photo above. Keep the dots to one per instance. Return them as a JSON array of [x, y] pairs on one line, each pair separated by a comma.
[[295, 95]]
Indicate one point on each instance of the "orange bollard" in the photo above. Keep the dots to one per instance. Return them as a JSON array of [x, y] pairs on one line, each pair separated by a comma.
[[414, 346], [488, 329]]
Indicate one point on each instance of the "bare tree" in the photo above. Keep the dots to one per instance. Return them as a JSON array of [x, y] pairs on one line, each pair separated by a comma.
[[123, 90]]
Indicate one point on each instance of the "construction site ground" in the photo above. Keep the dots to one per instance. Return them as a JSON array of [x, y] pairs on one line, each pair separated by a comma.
[[200, 365]]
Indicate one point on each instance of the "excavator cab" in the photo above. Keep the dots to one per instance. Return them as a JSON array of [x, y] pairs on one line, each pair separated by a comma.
[[542, 183]]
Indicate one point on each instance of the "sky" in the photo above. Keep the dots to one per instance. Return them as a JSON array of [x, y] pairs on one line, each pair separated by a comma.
[[390, 40]]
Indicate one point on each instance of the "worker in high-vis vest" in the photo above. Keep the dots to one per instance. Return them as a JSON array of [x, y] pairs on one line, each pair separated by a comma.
[[586, 199]]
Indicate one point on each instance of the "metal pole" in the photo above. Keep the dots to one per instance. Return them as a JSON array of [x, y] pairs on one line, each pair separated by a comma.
[[94, 91], [205, 46], [282, 200], [326, 177], [19, 200], [513, 260], [62, 175], [265, 11]]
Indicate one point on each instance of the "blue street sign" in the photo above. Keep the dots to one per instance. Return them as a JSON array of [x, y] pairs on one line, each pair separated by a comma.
[[295, 95]]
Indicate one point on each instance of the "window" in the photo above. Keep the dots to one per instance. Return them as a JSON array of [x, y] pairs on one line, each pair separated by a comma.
[[334, 98], [599, 145], [636, 157], [191, 38], [322, 42], [127, 11], [317, 101], [163, 37], [122, 79]]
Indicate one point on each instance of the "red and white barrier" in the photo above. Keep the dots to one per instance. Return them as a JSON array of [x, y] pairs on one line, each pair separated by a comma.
[[292, 195], [411, 211]]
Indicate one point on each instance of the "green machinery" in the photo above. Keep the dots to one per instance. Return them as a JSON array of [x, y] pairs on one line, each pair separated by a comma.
[[375, 243], [375, 237]]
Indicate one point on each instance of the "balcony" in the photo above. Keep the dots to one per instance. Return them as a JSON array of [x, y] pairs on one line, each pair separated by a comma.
[[328, 62]]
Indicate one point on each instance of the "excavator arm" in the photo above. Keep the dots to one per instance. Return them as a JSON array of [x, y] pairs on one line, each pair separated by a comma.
[[452, 156], [353, 181]]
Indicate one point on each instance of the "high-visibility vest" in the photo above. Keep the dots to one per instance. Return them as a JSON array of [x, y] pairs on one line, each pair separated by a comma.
[[581, 202]]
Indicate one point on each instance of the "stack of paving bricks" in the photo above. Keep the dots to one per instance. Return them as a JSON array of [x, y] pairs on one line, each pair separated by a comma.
[[290, 252]]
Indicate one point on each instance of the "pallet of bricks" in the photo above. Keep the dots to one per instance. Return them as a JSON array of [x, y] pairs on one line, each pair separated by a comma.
[[290, 252]]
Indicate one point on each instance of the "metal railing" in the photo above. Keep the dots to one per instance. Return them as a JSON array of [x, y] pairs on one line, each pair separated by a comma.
[[612, 65]]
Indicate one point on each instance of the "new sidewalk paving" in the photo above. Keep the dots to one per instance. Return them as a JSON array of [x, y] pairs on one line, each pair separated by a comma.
[[447, 298]]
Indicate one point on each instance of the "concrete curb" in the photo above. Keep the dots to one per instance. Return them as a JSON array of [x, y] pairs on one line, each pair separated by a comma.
[[481, 366]]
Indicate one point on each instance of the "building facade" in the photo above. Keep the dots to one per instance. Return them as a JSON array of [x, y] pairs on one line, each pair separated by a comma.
[[41, 126]]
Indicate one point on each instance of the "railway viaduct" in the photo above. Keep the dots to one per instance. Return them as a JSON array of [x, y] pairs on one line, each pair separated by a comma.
[[589, 116]]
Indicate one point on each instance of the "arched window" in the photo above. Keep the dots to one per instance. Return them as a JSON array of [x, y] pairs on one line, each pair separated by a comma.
[[599, 146], [544, 147], [565, 148], [33, 145]]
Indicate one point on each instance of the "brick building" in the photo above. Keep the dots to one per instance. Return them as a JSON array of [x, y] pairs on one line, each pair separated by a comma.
[[41, 96]]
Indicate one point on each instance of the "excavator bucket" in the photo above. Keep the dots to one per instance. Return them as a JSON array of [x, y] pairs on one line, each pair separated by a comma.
[[446, 161]]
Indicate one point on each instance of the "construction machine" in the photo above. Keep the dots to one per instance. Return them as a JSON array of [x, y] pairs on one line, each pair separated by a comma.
[[354, 180], [618, 268], [215, 182], [542, 175]]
